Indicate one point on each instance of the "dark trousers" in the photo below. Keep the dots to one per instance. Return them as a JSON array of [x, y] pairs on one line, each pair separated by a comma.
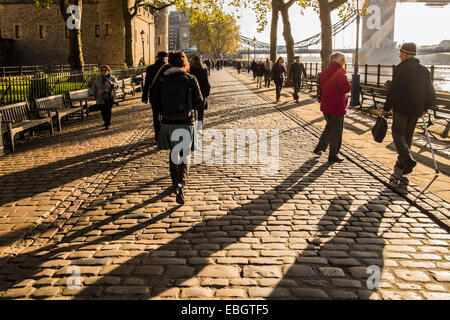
[[297, 84], [239, 70], [254, 74], [106, 113], [402, 132], [267, 78], [156, 122], [178, 172], [278, 87], [332, 134]]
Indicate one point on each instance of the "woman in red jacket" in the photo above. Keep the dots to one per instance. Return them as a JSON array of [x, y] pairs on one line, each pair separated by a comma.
[[333, 104]]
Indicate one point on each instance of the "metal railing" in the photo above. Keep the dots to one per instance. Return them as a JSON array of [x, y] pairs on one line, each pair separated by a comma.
[[377, 75], [29, 87]]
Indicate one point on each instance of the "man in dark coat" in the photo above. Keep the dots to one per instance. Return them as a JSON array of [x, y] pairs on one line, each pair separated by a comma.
[[253, 67], [147, 92], [295, 74], [411, 94]]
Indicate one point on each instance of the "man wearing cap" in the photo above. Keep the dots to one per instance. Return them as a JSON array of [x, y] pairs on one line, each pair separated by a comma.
[[410, 95], [295, 74], [156, 70]]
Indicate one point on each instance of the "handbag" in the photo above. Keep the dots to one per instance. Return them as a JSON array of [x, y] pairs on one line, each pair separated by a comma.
[[379, 129]]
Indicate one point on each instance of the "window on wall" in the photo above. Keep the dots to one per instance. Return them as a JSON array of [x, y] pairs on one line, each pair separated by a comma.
[[159, 41], [41, 31], [66, 32], [107, 31], [97, 30], [17, 31]]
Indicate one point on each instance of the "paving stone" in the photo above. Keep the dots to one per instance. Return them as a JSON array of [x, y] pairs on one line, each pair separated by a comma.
[[262, 271], [219, 271], [196, 293], [409, 275]]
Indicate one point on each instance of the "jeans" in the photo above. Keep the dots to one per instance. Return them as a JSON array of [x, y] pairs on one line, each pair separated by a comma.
[[278, 87], [332, 134], [402, 132], [267, 78]]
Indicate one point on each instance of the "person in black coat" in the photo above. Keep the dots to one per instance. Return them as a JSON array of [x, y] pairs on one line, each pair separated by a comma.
[[152, 71], [201, 74], [253, 68], [295, 74], [411, 94], [278, 72]]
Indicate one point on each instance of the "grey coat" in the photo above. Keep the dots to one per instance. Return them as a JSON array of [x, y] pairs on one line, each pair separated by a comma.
[[98, 88]]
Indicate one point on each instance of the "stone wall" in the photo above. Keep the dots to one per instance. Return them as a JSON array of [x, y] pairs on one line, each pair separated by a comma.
[[102, 27]]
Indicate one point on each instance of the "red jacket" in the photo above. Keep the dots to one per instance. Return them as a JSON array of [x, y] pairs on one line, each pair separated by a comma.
[[335, 86]]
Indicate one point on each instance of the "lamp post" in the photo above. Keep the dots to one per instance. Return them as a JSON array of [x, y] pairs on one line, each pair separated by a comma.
[[254, 48], [355, 77], [143, 47]]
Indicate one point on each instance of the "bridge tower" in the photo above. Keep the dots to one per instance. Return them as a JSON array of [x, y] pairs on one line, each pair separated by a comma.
[[378, 46]]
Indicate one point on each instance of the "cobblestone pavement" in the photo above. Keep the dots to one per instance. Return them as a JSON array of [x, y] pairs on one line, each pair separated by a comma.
[[357, 135], [309, 231]]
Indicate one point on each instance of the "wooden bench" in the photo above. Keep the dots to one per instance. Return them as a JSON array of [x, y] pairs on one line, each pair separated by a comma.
[[129, 87], [377, 95], [441, 110], [17, 118], [120, 94], [81, 98], [55, 106]]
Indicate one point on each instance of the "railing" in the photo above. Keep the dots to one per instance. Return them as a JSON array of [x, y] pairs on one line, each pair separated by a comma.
[[51, 68], [378, 74], [28, 87]]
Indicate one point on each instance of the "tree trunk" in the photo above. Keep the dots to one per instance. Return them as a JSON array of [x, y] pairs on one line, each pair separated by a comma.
[[75, 58], [127, 17], [287, 34], [273, 31], [326, 34]]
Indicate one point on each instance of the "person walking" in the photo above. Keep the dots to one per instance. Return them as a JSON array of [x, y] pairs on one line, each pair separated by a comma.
[[253, 67], [177, 96], [333, 104], [103, 91], [277, 73], [208, 66], [200, 73], [295, 74], [410, 95], [260, 70], [267, 69], [238, 66], [153, 73]]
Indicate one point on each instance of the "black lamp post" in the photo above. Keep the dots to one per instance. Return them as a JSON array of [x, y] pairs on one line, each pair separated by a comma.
[[355, 77], [143, 47], [254, 48]]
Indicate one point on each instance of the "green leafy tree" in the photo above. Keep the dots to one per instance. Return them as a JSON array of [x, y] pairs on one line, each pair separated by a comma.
[[215, 33]]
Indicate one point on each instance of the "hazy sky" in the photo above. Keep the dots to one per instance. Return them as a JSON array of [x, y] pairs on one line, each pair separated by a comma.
[[413, 22]]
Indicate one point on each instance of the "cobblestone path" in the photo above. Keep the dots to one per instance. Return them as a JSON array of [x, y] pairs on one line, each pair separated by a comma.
[[311, 230]]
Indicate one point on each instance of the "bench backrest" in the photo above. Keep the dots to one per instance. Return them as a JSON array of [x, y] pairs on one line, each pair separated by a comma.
[[17, 112], [127, 82], [79, 94], [53, 102]]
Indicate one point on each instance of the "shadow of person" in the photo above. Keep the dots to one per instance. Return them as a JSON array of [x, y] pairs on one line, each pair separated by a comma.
[[341, 255], [183, 258]]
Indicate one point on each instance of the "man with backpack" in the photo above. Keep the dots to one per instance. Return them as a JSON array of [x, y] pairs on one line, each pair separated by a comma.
[[153, 73], [177, 95]]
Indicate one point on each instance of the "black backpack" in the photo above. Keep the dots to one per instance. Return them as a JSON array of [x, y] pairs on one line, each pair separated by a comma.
[[379, 129], [176, 97]]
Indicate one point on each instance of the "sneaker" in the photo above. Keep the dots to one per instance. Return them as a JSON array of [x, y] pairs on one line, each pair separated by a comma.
[[335, 159], [317, 151]]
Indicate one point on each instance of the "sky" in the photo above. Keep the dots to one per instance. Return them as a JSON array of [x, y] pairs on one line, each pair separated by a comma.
[[413, 22]]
